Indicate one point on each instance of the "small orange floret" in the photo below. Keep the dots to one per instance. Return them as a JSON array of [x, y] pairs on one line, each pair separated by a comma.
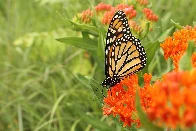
[[150, 15], [143, 2], [130, 12], [147, 78], [85, 15], [108, 16], [121, 6], [103, 7], [193, 58], [135, 26]]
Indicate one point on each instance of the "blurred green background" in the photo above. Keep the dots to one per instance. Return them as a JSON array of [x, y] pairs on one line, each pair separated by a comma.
[[40, 78]]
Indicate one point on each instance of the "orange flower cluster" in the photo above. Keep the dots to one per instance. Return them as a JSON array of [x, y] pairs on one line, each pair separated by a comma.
[[150, 15], [108, 16], [121, 6], [193, 59], [173, 99], [108, 11], [103, 7], [170, 102], [85, 15], [121, 101], [135, 26], [129, 11], [143, 2], [174, 47]]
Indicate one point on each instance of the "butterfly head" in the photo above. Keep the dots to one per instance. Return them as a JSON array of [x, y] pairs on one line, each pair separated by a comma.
[[110, 81]]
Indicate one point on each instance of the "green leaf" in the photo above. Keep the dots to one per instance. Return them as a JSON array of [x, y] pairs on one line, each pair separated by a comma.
[[96, 22], [84, 28], [150, 51], [145, 31], [185, 61], [194, 23], [177, 25], [165, 21], [85, 35], [148, 125], [83, 80], [165, 34], [101, 46], [98, 89], [88, 44]]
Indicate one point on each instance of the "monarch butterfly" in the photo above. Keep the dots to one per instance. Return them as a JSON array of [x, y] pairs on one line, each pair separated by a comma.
[[124, 54]]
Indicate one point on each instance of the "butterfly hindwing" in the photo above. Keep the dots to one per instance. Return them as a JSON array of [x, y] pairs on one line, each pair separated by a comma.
[[135, 58]]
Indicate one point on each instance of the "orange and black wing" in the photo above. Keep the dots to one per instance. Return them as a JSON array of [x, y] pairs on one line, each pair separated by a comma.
[[124, 54], [118, 28], [130, 57]]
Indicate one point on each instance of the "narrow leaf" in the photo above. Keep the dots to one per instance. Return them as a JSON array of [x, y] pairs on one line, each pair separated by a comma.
[[98, 89], [150, 51], [145, 31], [101, 46], [88, 44], [83, 80], [185, 61], [165, 34], [177, 25], [84, 28]]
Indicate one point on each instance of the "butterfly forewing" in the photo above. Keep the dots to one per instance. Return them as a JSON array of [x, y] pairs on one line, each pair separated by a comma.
[[117, 29]]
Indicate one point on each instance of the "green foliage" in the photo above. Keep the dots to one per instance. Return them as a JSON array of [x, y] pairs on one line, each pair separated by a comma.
[[98, 89], [150, 51], [88, 44], [145, 31], [83, 28], [50, 76], [185, 62]]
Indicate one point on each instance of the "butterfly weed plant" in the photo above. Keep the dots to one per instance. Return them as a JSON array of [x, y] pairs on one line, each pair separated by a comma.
[[139, 94]]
